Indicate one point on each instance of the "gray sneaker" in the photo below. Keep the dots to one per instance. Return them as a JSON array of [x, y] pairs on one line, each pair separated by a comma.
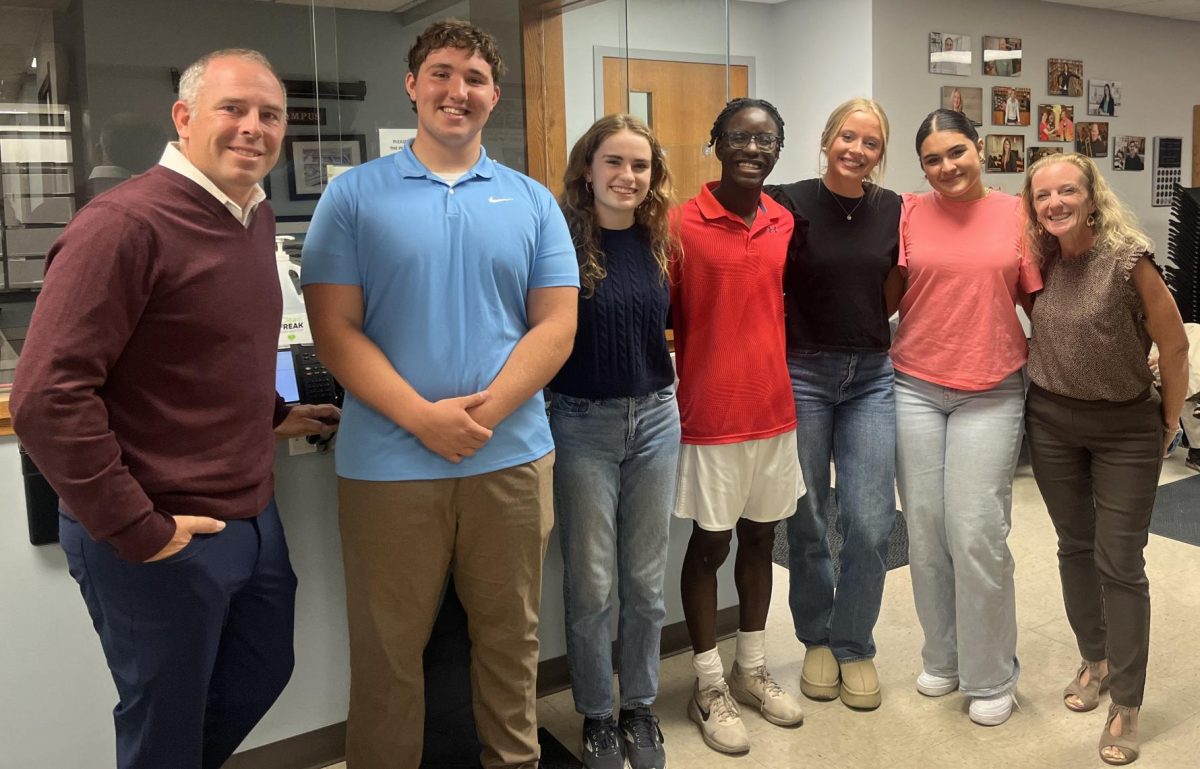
[[600, 744], [643, 739]]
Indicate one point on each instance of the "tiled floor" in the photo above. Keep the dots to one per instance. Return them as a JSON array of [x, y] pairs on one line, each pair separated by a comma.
[[911, 731]]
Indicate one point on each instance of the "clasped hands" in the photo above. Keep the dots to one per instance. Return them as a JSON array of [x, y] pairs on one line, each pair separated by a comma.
[[455, 428]]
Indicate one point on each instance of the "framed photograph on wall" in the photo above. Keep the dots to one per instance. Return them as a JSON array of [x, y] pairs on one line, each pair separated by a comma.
[[964, 99], [1005, 153], [1091, 139], [1036, 153], [309, 159], [1064, 77], [1056, 123], [1001, 56], [1010, 106], [1104, 97], [1129, 153], [949, 53]]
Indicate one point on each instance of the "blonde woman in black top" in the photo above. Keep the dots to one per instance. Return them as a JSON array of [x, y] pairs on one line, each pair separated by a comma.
[[841, 260]]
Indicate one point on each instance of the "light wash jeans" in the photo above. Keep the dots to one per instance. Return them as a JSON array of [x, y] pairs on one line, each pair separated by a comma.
[[956, 454], [614, 490], [845, 410]]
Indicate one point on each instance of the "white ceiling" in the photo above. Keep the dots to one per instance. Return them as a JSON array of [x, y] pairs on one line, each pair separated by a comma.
[[1186, 10], [381, 6]]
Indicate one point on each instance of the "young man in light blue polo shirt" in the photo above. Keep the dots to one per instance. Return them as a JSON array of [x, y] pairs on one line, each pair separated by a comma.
[[442, 291]]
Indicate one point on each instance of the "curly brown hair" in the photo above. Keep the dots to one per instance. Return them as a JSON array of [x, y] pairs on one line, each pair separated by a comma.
[[455, 33], [578, 202]]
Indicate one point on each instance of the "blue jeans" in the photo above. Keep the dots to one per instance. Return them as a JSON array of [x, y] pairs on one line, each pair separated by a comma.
[[845, 411], [956, 454], [614, 489]]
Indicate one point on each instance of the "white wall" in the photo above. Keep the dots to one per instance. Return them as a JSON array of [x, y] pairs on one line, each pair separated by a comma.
[[812, 56], [1155, 59], [52, 674]]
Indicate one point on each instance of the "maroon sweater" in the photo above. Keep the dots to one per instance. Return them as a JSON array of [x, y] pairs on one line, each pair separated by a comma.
[[145, 388]]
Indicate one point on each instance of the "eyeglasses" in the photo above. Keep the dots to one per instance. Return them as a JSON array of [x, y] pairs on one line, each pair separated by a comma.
[[740, 140]]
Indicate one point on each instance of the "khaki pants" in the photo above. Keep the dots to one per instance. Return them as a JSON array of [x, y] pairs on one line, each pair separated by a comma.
[[399, 541]]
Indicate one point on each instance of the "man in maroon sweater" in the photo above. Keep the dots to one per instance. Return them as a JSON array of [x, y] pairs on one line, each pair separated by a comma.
[[145, 395]]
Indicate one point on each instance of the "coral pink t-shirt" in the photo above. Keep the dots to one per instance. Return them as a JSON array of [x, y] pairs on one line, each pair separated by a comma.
[[964, 264]]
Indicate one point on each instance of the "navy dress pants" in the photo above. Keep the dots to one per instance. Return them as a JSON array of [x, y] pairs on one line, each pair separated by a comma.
[[199, 644]]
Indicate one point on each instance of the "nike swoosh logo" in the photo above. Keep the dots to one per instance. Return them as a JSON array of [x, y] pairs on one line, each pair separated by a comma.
[[498, 200], [704, 713]]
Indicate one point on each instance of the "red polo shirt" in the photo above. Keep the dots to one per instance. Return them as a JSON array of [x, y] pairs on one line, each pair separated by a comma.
[[727, 310]]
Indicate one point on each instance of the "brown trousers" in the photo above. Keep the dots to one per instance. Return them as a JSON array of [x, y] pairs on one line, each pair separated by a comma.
[[1097, 465], [399, 541]]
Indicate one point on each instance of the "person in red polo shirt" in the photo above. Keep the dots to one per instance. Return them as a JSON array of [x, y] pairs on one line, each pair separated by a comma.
[[737, 465]]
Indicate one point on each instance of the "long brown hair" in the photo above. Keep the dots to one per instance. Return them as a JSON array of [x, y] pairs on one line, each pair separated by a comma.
[[578, 202]]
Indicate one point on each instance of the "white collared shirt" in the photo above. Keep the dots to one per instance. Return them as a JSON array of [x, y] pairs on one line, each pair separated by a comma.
[[174, 159]]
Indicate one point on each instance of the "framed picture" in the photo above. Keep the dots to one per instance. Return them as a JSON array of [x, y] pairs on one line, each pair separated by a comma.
[[1091, 139], [1036, 153], [964, 99], [1056, 123], [1128, 153], [309, 159], [1064, 77], [1001, 56], [1010, 106], [949, 53], [1104, 97], [1005, 153]]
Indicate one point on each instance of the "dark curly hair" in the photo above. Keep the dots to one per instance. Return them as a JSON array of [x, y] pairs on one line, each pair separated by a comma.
[[737, 105], [455, 33]]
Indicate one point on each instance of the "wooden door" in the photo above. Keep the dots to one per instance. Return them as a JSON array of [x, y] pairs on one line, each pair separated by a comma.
[[684, 99]]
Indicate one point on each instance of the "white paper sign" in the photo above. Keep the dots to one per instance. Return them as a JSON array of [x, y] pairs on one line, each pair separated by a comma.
[[294, 330], [392, 140]]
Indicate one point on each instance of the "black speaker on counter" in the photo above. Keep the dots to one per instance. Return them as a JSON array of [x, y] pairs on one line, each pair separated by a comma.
[[41, 503]]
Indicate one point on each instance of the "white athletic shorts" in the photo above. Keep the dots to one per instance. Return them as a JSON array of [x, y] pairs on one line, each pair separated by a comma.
[[756, 480]]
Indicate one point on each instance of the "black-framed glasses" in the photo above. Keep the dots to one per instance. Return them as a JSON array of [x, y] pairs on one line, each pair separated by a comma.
[[740, 140]]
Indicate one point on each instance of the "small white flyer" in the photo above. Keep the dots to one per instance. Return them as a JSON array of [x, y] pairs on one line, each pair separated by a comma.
[[391, 140]]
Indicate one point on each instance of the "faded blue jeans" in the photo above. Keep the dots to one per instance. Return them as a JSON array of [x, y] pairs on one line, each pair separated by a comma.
[[845, 411], [956, 451], [614, 491]]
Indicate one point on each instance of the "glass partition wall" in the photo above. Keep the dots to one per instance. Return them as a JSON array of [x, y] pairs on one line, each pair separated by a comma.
[[86, 88]]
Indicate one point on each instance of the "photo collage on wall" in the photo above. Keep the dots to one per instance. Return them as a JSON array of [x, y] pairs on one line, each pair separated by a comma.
[[1015, 105]]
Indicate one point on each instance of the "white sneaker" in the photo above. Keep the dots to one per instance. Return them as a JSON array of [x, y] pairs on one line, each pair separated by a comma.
[[992, 711], [715, 712], [757, 689], [936, 686]]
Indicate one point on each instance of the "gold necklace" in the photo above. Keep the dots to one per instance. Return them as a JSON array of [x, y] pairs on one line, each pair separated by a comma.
[[849, 214]]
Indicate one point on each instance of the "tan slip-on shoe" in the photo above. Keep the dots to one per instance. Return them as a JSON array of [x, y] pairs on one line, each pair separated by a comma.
[[820, 675], [860, 685]]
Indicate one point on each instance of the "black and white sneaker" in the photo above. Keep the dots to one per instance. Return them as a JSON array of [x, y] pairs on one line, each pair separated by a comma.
[[643, 739], [600, 745], [1193, 459]]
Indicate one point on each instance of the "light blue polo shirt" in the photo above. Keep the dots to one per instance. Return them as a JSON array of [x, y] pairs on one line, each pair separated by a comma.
[[445, 271]]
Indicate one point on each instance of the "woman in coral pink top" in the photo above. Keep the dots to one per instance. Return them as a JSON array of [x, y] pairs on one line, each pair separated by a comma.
[[960, 399]]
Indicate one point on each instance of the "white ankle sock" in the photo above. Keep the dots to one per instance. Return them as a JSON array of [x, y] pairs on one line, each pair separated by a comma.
[[751, 651], [708, 668]]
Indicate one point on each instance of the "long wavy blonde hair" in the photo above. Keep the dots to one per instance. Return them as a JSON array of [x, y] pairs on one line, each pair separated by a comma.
[[1116, 226], [578, 203]]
